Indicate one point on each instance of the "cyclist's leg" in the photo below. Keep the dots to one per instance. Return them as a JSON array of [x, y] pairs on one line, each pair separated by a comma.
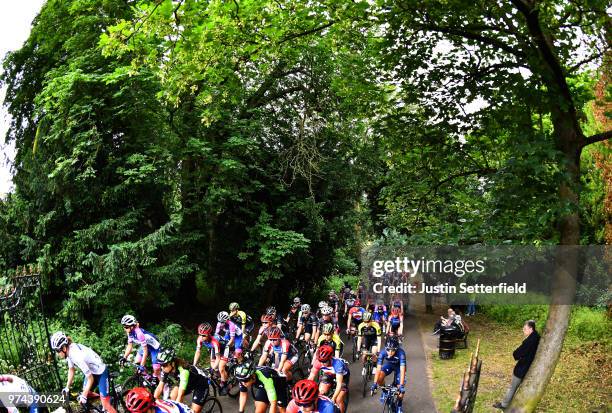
[[156, 366], [104, 389]]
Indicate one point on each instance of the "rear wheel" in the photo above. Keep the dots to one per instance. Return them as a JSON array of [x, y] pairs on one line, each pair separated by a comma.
[[212, 405]]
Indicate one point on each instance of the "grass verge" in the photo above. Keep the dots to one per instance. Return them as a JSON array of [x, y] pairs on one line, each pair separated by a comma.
[[582, 381]]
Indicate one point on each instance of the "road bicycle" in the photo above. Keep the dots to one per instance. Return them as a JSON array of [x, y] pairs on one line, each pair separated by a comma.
[[367, 372], [140, 378], [389, 398], [94, 404]]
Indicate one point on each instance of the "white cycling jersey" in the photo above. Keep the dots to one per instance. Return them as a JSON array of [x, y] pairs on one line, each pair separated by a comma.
[[87, 360], [10, 384]]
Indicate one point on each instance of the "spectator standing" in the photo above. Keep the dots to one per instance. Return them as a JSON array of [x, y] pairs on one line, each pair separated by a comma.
[[524, 356]]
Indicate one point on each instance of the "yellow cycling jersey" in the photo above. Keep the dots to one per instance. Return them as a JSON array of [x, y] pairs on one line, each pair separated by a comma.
[[369, 330], [335, 339]]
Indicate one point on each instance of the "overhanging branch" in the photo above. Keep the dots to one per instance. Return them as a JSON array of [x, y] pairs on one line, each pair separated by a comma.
[[599, 137]]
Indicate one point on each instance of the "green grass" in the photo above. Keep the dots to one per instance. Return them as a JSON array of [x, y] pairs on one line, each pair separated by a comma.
[[581, 382]]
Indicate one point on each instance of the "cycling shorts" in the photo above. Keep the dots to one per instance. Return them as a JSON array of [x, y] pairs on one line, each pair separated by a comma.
[[280, 387], [369, 341], [388, 369], [101, 381], [152, 354]]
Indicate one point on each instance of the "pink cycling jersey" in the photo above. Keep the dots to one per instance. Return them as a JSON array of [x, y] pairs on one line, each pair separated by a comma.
[[234, 330]]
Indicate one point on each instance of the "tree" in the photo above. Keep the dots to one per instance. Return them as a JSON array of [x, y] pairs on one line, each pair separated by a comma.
[[519, 52]]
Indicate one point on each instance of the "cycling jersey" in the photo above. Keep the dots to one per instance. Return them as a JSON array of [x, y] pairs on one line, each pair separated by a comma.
[[243, 320], [335, 342], [269, 386], [395, 321], [323, 405], [170, 406], [284, 347], [87, 360], [307, 319], [371, 329], [189, 379], [397, 360], [327, 319], [229, 330], [337, 366], [380, 313], [19, 386], [213, 346], [356, 313], [144, 338]]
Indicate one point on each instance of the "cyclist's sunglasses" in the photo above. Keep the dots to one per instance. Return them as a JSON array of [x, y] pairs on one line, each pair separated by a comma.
[[304, 404], [204, 335], [59, 350]]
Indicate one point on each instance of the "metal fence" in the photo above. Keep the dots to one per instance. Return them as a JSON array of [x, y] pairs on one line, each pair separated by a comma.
[[24, 336]]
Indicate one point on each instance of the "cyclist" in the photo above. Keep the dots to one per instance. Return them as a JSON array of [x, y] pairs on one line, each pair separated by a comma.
[[278, 320], [369, 334], [333, 301], [140, 400], [266, 322], [380, 313], [240, 318], [355, 316], [326, 317], [331, 338], [395, 324], [183, 378], [307, 323], [391, 359], [285, 354], [332, 370], [230, 337], [89, 362], [322, 305], [398, 303], [292, 315], [149, 344], [206, 339], [268, 387], [306, 399], [350, 302], [10, 384]]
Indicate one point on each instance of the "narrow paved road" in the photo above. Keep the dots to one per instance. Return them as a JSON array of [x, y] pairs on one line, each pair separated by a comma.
[[418, 396]]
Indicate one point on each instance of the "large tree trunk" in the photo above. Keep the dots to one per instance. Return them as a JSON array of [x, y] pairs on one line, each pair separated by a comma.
[[529, 394]]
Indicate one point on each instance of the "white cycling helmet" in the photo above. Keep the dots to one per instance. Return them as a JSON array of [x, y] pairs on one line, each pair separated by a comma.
[[223, 316], [58, 340], [350, 302], [305, 308], [128, 320], [327, 310], [323, 304]]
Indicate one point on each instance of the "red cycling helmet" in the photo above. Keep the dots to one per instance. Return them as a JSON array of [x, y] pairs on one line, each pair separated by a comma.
[[139, 400], [274, 333], [396, 311], [305, 392], [324, 353], [267, 318], [204, 328], [357, 302]]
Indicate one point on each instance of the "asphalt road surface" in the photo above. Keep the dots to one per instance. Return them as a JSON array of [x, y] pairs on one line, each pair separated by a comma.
[[418, 395]]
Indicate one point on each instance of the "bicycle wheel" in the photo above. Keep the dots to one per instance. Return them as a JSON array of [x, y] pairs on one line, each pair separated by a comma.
[[234, 388], [355, 356], [129, 384], [365, 385], [212, 405]]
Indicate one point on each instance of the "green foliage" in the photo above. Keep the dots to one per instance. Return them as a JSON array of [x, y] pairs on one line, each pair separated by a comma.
[[587, 324]]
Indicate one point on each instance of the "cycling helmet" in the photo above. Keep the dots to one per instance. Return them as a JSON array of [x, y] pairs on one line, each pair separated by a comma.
[[325, 353], [350, 302], [205, 329], [271, 310], [139, 400], [353, 293], [274, 333], [367, 317], [58, 340], [327, 311], [297, 301], [328, 328], [305, 308], [238, 352], [166, 355], [332, 293], [357, 302], [305, 392], [223, 316], [128, 320], [322, 304], [392, 344], [244, 371], [234, 306], [267, 318]]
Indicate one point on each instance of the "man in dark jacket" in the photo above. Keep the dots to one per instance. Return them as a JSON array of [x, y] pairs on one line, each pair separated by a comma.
[[524, 356]]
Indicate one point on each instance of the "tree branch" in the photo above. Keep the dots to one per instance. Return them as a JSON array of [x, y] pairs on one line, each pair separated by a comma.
[[599, 137], [307, 32]]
